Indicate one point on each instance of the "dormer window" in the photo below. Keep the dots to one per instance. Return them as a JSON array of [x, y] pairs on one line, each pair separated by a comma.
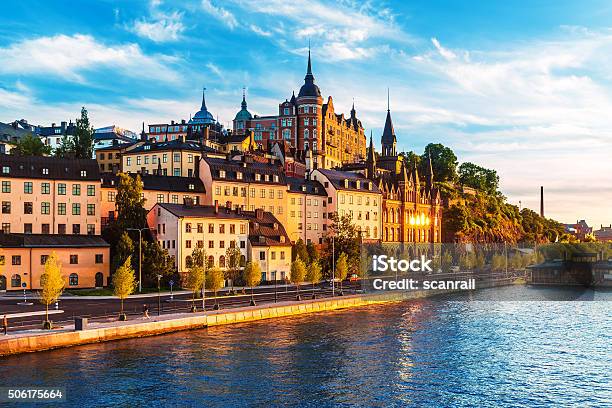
[[147, 147], [282, 239], [370, 185], [45, 171], [358, 184], [346, 183], [276, 178], [239, 175], [83, 173], [267, 177], [222, 173], [6, 169], [191, 187], [257, 177]]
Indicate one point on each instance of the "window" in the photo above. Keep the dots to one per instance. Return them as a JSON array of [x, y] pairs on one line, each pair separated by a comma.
[[188, 227], [27, 208], [177, 172], [232, 229], [27, 228], [262, 255], [242, 228], [16, 281], [61, 208], [99, 258], [160, 198], [273, 255], [282, 255], [138, 160], [165, 158], [128, 161], [6, 207], [83, 173], [91, 190], [76, 189], [200, 228], [73, 279], [188, 243], [177, 157], [211, 244], [91, 209], [222, 229], [111, 196], [91, 229], [76, 229], [16, 260], [45, 208], [76, 209], [45, 229], [6, 186], [27, 187], [6, 169], [45, 188]]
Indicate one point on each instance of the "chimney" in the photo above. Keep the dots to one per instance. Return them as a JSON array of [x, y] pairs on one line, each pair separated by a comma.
[[216, 206], [172, 122], [53, 125], [542, 201], [259, 213], [64, 125], [183, 138]]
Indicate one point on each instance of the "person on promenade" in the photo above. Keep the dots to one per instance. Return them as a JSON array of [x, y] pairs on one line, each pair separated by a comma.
[[5, 325], [145, 312]]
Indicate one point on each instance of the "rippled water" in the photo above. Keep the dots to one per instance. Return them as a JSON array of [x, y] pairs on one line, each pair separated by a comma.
[[451, 351]]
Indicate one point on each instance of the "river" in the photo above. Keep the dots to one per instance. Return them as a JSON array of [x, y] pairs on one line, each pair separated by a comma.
[[459, 350]]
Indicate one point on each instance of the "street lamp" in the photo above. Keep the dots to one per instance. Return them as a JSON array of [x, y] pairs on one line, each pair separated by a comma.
[[139, 255], [158, 295]]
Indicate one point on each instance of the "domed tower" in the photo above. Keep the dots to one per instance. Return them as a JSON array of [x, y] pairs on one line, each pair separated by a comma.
[[203, 119], [242, 117], [309, 112]]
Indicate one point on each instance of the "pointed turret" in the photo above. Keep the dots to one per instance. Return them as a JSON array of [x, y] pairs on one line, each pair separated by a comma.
[[429, 176], [309, 88], [243, 104], [388, 140], [203, 107], [371, 160]]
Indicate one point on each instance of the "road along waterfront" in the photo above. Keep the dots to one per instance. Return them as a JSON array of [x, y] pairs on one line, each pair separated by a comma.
[[465, 349]]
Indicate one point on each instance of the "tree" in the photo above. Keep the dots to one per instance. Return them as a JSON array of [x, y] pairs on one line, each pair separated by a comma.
[[52, 284], [345, 238], [124, 283], [130, 203], [123, 250], [252, 277], [498, 262], [477, 177], [300, 251], [342, 269], [195, 279], [298, 272], [65, 148], [155, 261], [83, 140], [313, 253], [214, 282], [443, 162], [232, 263], [314, 275], [30, 145]]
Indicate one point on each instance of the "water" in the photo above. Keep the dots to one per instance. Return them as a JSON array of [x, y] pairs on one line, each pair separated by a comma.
[[451, 351]]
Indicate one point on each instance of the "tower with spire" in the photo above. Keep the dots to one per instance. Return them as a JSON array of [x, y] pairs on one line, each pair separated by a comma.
[[388, 139], [243, 117]]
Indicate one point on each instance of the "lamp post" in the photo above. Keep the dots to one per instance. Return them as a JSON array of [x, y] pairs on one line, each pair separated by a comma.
[[139, 255], [333, 264], [159, 295]]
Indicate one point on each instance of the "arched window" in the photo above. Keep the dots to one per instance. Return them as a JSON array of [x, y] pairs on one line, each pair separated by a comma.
[[386, 234], [73, 279], [222, 261], [16, 281], [306, 133], [242, 260], [392, 235], [188, 261], [211, 261], [99, 280]]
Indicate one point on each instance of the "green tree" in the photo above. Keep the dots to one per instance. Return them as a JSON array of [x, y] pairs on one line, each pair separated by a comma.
[[477, 177], [30, 145], [345, 238], [313, 253], [443, 162], [194, 281], [65, 148], [314, 275], [298, 272], [251, 275], [300, 251], [155, 261], [83, 139], [124, 283], [130, 203], [342, 269], [214, 282], [52, 283], [232, 266], [123, 250]]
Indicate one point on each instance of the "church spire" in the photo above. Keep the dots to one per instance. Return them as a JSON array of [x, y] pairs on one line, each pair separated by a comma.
[[371, 160], [244, 103], [389, 141], [309, 70], [429, 176], [203, 107]]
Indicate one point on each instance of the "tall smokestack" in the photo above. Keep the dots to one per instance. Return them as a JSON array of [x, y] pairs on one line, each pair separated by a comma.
[[541, 201]]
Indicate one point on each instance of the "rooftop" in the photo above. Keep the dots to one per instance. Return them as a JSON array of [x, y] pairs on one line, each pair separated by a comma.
[[300, 185], [223, 169], [172, 145], [160, 183], [337, 179], [51, 241], [52, 168]]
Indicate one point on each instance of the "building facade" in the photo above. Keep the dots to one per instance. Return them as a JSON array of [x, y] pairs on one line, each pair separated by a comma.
[[306, 211], [85, 260], [48, 195]]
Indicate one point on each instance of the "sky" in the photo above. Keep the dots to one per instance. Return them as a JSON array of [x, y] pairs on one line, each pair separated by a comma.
[[524, 87]]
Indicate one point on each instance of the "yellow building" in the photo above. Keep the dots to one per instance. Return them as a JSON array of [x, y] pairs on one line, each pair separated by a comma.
[[246, 184], [306, 211], [173, 158], [109, 158]]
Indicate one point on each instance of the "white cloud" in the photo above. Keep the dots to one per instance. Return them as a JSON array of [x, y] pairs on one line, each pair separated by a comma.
[[220, 13], [161, 28], [69, 57], [260, 31], [215, 69]]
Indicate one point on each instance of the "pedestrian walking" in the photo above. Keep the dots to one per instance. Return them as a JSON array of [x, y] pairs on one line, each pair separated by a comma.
[[5, 325], [145, 312]]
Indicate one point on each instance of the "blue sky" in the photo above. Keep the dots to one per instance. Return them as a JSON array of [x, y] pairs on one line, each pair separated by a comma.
[[524, 87]]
